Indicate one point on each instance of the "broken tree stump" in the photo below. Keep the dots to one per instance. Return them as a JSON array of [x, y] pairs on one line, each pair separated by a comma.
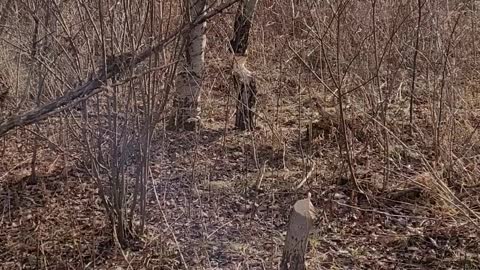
[[299, 226]]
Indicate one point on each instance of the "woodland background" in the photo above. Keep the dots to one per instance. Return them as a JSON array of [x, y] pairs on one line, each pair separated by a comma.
[[372, 107]]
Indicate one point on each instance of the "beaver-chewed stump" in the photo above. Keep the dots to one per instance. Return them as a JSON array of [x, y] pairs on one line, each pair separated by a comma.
[[299, 226], [246, 87]]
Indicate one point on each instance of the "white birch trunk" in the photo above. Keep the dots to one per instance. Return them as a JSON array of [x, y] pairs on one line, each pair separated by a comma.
[[189, 80]]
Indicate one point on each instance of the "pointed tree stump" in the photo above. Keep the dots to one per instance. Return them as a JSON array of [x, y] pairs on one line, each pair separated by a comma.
[[299, 226]]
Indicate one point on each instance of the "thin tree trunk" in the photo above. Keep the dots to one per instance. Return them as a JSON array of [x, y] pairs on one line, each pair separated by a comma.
[[189, 80], [244, 80]]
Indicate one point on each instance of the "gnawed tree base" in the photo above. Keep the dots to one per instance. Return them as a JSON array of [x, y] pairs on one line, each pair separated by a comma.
[[182, 118], [186, 114], [299, 226], [246, 87]]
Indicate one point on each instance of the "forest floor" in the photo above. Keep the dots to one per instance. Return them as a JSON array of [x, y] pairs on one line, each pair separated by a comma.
[[204, 211]]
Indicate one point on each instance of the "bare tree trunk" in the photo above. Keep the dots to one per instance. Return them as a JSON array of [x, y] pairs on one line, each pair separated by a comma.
[[244, 81], [299, 226], [189, 80]]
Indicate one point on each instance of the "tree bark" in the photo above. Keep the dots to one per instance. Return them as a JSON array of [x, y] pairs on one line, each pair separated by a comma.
[[186, 113], [244, 80], [246, 87], [299, 226]]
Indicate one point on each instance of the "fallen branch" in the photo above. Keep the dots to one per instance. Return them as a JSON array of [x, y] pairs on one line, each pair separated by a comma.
[[306, 177], [115, 67]]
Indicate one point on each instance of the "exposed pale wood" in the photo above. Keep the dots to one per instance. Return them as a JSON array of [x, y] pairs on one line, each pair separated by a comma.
[[306, 177], [246, 87], [299, 226]]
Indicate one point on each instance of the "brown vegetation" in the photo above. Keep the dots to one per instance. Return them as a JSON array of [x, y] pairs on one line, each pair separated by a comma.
[[372, 107]]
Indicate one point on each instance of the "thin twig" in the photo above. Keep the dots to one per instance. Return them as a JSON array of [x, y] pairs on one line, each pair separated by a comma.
[[306, 177]]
